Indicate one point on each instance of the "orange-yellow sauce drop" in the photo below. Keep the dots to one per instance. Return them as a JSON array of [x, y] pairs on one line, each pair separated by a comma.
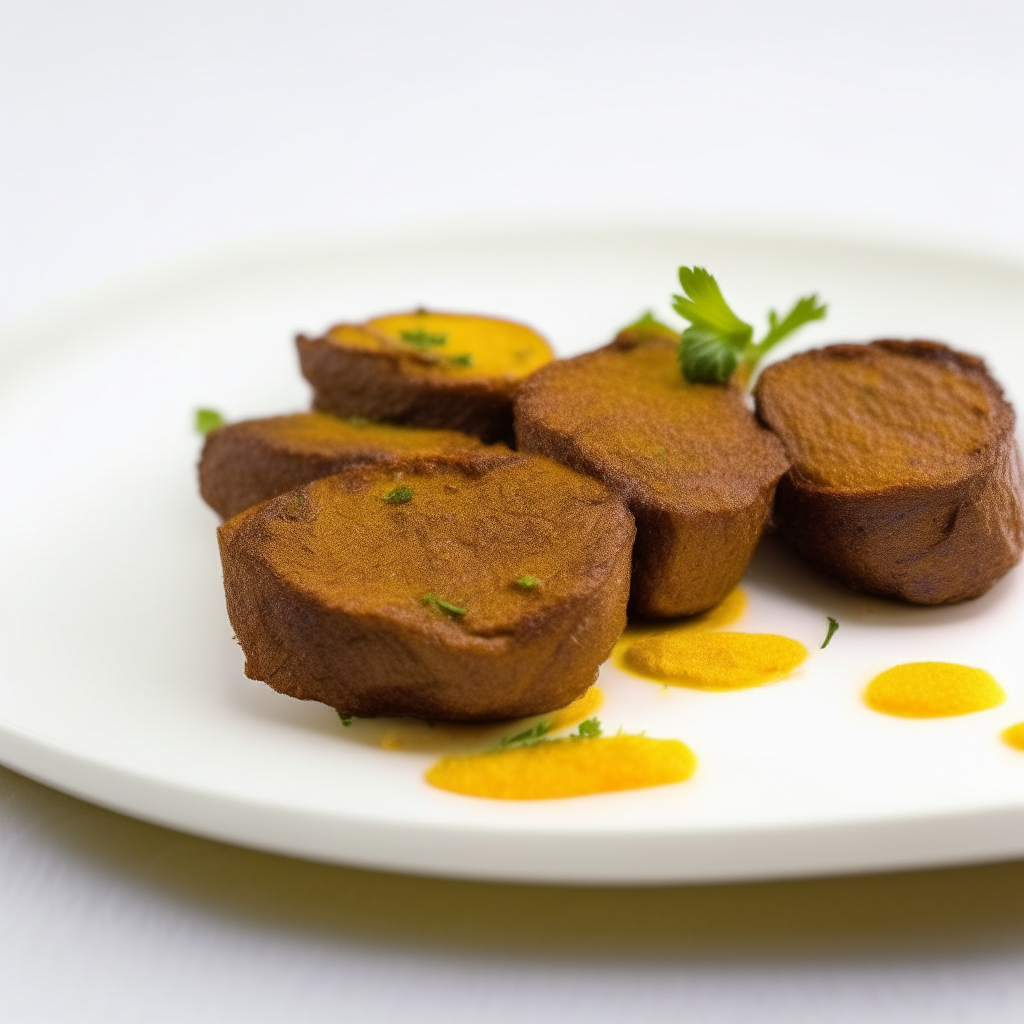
[[1014, 736], [394, 734], [715, 661], [581, 708], [564, 768], [728, 611], [932, 689]]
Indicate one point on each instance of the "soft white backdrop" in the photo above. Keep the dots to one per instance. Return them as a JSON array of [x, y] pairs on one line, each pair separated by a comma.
[[133, 134]]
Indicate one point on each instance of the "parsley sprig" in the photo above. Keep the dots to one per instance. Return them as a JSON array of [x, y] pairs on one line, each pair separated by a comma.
[[588, 729], [717, 340]]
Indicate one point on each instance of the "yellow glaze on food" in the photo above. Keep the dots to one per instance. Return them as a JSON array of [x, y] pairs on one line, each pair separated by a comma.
[[715, 661], [427, 738], [488, 347], [564, 768], [932, 689], [1014, 736]]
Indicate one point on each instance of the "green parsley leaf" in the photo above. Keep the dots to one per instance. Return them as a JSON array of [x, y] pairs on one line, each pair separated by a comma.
[[346, 720], [207, 420], [423, 339], [527, 737], [528, 582], [433, 601], [588, 729], [833, 625], [465, 359], [804, 311], [705, 306], [717, 340], [398, 496], [647, 321], [706, 358]]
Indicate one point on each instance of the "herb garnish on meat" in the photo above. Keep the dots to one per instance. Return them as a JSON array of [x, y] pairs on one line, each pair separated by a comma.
[[433, 601], [398, 496], [717, 340]]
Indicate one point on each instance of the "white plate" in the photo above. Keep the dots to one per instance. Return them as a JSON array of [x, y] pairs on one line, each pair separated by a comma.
[[119, 680]]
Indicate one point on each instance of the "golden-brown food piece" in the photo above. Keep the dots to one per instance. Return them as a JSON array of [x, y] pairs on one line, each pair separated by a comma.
[[906, 477], [443, 370], [689, 460], [248, 462], [479, 587]]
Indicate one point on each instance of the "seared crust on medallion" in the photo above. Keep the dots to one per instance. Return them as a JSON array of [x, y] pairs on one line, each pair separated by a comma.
[[689, 460], [248, 462], [906, 477], [440, 370], [466, 588]]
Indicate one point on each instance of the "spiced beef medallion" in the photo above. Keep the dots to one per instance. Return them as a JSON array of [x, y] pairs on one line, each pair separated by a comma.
[[473, 587], [906, 476]]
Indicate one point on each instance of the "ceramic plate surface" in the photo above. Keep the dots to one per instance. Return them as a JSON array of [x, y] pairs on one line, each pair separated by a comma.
[[120, 681]]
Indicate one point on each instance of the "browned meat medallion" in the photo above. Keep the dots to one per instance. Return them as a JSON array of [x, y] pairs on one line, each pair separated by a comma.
[[479, 587], [445, 370], [906, 477], [689, 460], [248, 462]]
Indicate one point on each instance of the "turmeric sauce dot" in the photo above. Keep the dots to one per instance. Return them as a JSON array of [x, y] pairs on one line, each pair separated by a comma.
[[564, 768], [932, 689], [715, 661], [1014, 736]]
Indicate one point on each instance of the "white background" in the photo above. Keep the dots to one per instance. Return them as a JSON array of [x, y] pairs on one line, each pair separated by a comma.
[[133, 134]]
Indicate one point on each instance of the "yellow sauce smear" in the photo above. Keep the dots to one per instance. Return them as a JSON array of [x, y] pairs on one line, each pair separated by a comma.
[[932, 689], [419, 736], [729, 610], [1014, 736], [715, 661], [564, 768]]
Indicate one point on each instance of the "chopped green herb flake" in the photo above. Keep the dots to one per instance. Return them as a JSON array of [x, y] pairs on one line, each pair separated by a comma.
[[528, 582], [423, 339], [587, 729], [465, 359], [359, 421], [295, 504], [648, 321], [527, 737], [207, 420], [717, 340], [433, 601], [346, 720], [832, 627], [398, 496]]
